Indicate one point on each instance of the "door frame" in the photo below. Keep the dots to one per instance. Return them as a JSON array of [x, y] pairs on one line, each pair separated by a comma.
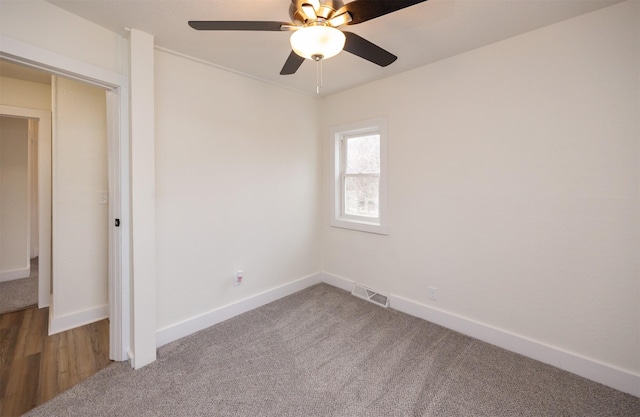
[[116, 86]]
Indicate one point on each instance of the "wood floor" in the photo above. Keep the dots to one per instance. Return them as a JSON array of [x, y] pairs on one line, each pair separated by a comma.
[[35, 367]]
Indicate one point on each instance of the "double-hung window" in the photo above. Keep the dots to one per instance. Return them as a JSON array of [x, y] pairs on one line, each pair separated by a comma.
[[358, 183]]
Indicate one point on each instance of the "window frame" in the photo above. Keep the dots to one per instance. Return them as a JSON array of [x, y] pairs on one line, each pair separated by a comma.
[[339, 135]]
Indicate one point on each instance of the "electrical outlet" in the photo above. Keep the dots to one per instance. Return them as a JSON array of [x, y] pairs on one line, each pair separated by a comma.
[[237, 278], [433, 293]]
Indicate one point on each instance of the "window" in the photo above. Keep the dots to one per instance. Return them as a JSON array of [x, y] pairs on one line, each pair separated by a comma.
[[358, 183]]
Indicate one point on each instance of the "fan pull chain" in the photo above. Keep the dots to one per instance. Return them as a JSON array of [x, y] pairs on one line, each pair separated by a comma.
[[318, 59], [318, 76]]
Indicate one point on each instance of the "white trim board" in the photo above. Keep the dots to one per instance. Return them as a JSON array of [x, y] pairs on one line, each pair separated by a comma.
[[15, 274], [132, 359], [72, 320], [25, 53], [336, 281], [187, 327], [143, 204], [571, 362]]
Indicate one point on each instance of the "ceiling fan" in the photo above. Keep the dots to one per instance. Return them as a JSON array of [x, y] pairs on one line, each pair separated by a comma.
[[315, 29]]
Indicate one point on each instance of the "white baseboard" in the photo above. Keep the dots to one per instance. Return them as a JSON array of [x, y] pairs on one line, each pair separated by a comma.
[[336, 281], [186, 327], [611, 376], [58, 324], [15, 274], [132, 359], [588, 368]]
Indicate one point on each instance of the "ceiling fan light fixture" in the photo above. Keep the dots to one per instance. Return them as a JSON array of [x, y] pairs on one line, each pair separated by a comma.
[[317, 41]]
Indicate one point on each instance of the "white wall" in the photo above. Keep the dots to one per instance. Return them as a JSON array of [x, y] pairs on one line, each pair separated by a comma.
[[142, 105], [237, 187], [513, 186], [14, 187], [80, 221], [42, 24], [19, 93]]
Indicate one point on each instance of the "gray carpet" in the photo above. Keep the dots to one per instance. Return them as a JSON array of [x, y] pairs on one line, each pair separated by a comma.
[[20, 293], [323, 352]]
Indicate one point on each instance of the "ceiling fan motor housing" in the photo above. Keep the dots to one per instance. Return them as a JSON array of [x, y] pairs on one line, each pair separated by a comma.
[[324, 9]]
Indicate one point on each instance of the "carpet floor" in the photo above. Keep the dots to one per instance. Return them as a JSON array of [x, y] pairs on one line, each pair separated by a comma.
[[20, 293], [323, 352]]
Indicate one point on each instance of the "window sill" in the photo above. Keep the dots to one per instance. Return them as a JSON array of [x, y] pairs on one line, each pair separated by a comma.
[[360, 225]]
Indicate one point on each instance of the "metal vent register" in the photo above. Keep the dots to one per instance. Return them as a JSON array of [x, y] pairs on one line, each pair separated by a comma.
[[370, 295]]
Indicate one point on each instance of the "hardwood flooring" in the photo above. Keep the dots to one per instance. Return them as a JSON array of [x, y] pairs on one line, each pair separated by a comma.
[[35, 367]]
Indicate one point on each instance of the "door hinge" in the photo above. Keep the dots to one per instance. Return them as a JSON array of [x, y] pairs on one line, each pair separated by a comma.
[[117, 222]]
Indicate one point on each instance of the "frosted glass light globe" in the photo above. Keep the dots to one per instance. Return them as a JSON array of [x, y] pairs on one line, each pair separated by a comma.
[[317, 41]]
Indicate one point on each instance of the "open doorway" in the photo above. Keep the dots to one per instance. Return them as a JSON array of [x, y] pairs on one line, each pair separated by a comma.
[[78, 187], [55, 183], [18, 214], [25, 231], [107, 196]]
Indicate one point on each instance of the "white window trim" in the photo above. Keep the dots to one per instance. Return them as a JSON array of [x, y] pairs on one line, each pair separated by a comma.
[[336, 218]]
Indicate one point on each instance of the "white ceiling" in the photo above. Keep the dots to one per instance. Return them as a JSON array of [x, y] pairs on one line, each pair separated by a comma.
[[418, 35]]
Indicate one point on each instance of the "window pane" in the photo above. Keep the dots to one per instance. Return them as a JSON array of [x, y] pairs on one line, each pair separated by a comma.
[[361, 196], [363, 154]]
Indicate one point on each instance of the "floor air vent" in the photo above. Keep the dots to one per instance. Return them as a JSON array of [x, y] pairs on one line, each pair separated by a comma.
[[370, 295]]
